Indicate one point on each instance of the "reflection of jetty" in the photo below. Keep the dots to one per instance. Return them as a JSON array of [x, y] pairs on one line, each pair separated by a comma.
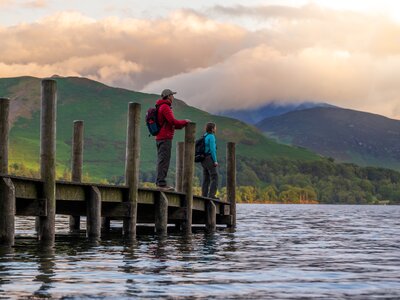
[[102, 203]]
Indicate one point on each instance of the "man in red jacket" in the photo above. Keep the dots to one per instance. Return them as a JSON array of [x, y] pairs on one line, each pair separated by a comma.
[[164, 138]]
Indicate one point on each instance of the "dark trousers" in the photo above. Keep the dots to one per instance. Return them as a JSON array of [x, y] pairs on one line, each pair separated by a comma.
[[163, 159], [210, 178]]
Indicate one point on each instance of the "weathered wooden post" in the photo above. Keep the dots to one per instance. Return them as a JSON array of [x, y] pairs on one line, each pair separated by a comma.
[[7, 191], [77, 164], [132, 167], [188, 173], [231, 179], [161, 213], [7, 212], [180, 148], [46, 226], [4, 132], [94, 213], [180, 151], [211, 216]]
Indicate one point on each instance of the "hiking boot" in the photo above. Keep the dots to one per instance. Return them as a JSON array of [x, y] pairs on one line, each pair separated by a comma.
[[166, 188]]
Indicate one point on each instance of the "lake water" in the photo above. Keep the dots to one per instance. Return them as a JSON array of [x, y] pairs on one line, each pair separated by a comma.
[[277, 252]]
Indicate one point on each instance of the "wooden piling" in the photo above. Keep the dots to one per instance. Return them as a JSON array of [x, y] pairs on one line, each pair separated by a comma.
[[7, 212], [161, 214], [231, 179], [211, 216], [93, 225], [76, 167], [188, 173], [4, 132], [180, 148], [132, 167], [180, 151], [46, 226], [7, 190]]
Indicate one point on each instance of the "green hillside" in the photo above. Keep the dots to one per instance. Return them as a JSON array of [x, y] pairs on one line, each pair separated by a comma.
[[104, 111]]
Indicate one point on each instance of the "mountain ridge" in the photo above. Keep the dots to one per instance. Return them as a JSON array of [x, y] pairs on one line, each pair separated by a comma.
[[347, 135], [253, 116]]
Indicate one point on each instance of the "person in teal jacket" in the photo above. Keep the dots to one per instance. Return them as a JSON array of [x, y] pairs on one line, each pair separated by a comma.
[[210, 163]]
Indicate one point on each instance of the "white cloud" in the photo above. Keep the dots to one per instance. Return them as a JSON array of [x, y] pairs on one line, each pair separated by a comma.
[[262, 74], [156, 49]]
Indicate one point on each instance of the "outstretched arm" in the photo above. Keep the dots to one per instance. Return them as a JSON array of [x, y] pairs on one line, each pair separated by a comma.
[[169, 116]]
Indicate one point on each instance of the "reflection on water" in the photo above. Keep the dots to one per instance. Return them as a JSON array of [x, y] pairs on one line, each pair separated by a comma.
[[46, 263], [277, 252]]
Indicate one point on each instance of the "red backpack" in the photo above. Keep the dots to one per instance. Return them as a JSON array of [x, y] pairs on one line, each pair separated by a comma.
[[152, 120]]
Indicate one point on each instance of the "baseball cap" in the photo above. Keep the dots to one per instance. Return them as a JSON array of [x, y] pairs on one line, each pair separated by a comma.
[[166, 93]]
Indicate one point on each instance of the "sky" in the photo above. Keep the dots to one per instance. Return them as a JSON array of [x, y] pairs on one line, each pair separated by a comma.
[[216, 54]]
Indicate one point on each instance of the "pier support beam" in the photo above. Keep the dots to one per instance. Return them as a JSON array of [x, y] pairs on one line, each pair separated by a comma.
[[4, 132], [180, 148], [211, 216], [77, 165], [94, 213], [132, 167], [188, 173], [7, 212], [231, 179], [46, 226], [161, 214]]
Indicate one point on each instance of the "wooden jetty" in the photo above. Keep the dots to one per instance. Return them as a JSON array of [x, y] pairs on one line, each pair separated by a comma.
[[46, 197]]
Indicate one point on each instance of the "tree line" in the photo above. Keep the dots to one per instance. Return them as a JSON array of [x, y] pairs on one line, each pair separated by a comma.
[[324, 181]]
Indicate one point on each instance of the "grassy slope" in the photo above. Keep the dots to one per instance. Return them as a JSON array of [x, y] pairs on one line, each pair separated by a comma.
[[104, 111]]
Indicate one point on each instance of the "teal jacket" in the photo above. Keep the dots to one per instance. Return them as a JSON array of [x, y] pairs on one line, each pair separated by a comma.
[[211, 145]]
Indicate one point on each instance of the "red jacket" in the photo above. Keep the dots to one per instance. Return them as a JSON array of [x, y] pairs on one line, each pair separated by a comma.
[[167, 120]]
